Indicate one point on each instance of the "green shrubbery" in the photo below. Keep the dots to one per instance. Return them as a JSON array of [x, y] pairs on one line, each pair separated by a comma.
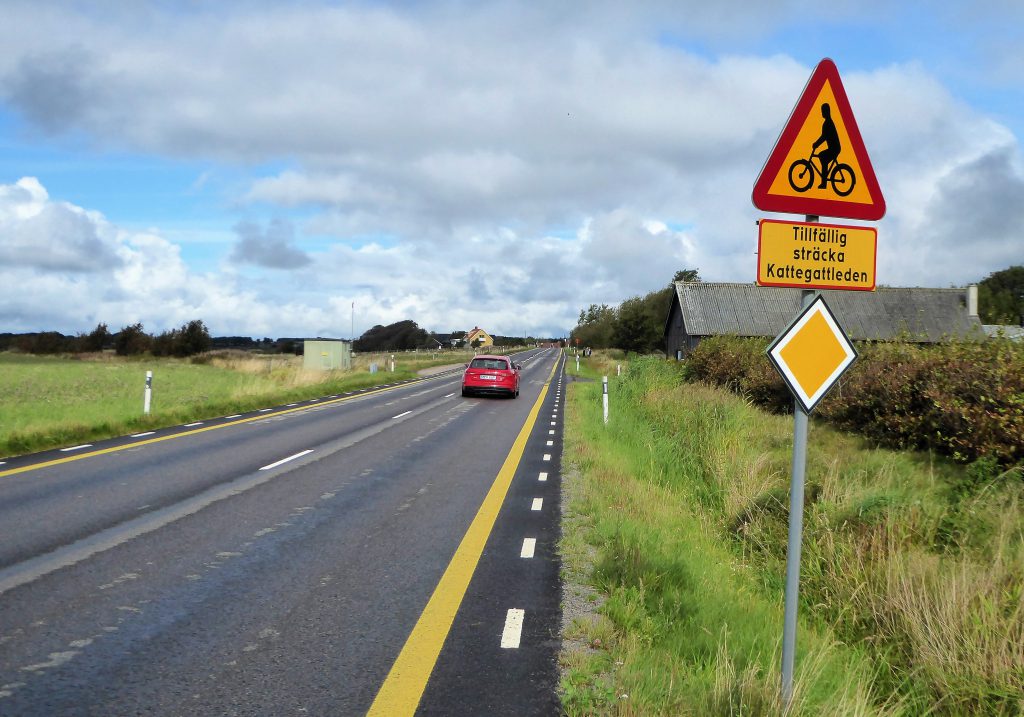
[[965, 400]]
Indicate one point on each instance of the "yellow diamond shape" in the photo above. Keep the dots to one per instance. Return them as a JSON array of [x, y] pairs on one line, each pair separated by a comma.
[[813, 354]]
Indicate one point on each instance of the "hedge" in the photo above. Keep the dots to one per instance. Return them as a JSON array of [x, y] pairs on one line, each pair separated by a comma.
[[965, 400]]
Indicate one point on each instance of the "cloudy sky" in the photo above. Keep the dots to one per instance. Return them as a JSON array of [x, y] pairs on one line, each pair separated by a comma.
[[263, 165]]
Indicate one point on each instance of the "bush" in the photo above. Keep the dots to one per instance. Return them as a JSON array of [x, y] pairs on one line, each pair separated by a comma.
[[740, 365], [962, 399], [965, 400]]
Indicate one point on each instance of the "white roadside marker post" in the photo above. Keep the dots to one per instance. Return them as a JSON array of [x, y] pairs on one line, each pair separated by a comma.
[[604, 397], [148, 395]]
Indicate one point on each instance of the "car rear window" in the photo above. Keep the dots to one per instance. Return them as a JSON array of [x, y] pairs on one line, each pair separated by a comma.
[[492, 364]]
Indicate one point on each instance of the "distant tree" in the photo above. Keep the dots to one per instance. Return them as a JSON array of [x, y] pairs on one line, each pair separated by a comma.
[[46, 342], [132, 340], [631, 327], [192, 339], [97, 339], [686, 275], [594, 327], [1001, 297], [164, 343], [640, 322], [399, 336], [637, 324]]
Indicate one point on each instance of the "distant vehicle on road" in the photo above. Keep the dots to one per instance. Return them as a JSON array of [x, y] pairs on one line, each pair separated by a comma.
[[497, 375]]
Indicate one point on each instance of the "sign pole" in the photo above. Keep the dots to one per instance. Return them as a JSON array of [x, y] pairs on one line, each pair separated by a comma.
[[796, 527]]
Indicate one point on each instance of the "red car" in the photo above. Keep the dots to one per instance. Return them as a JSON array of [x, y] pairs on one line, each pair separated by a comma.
[[491, 374]]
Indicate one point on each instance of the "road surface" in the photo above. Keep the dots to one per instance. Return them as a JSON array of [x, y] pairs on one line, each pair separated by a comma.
[[391, 552]]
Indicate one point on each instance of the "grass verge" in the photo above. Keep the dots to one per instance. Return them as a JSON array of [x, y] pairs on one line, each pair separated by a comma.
[[911, 599], [48, 402]]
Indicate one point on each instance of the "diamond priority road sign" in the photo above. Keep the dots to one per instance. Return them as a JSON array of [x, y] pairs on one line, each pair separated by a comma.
[[812, 354], [816, 256]]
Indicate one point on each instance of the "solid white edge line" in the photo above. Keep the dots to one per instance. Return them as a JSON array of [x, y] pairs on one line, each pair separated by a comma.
[[538, 503], [513, 631], [400, 415], [76, 448], [529, 546], [285, 460], [140, 435], [542, 477]]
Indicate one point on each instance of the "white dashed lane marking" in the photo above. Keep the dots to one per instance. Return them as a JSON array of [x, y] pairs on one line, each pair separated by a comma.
[[529, 546], [513, 628], [76, 448], [285, 460], [400, 415], [190, 425], [547, 456], [542, 477], [538, 503], [141, 435]]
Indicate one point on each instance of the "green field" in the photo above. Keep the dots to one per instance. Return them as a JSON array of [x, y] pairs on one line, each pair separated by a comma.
[[912, 583], [48, 402]]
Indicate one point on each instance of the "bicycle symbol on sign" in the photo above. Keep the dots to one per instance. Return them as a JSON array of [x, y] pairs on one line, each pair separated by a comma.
[[839, 175]]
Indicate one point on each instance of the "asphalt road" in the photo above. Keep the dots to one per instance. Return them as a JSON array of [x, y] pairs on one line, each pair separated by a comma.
[[302, 560]]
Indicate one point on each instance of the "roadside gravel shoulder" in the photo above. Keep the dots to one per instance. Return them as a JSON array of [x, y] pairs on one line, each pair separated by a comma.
[[587, 635]]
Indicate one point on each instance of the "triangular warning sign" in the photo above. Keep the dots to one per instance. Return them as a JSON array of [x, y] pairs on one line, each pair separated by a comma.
[[821, 127]]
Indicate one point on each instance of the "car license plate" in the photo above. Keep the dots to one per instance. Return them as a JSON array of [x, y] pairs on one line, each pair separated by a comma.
[[488, 377]]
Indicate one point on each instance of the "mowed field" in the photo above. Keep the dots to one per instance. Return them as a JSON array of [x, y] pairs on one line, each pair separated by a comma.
[[48, 402]]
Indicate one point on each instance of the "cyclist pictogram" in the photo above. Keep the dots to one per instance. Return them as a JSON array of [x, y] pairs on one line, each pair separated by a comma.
[[840, 176]]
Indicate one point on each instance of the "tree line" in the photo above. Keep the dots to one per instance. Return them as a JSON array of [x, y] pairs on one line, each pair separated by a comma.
[[407, 335], [1001, 297], [637, 324], [192, 338]]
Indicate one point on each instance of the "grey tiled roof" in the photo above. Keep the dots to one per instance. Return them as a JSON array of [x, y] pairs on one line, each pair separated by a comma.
[[926, 315]]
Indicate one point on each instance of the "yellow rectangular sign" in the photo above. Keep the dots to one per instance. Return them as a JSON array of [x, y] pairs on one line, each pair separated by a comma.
[[816, 256]]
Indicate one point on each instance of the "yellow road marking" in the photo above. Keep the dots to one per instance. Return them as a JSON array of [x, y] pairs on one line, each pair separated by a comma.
[[136, 444], [403, 688]]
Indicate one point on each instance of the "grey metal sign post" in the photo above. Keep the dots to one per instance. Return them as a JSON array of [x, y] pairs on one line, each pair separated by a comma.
[[796, 531]]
